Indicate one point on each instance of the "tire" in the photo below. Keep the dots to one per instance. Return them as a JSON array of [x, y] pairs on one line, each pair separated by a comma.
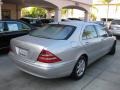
[[113, 49], [79, 69]]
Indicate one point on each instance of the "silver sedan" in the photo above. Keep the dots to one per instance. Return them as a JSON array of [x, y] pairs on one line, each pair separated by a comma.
[[115, 27], [61, 49]]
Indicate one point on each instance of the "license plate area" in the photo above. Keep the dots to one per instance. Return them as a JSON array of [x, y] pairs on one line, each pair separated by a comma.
[[23, 52]]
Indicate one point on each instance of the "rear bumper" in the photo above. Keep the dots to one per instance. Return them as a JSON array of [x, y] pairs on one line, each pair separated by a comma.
[[43, 70]]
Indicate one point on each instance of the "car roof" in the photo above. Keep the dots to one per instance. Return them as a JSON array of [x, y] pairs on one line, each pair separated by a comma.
[[5, 20], [73, 23], [12, 20], [29, 18]]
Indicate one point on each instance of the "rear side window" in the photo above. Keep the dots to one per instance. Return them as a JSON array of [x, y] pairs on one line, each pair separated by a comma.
[[12, 26], [1, 27], [55, 31], [17, 26], [23, 26], [89, 32], [101, 31]]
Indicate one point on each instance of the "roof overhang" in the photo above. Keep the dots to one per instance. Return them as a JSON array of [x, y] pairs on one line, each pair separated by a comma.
[[27, 3]]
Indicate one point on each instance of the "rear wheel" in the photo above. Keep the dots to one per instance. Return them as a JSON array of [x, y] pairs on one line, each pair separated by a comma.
[[113, 49], [79, 69]]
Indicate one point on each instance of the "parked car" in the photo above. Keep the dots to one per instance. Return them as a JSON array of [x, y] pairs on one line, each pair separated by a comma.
[[10, 29], [46, 21], [61, 49], [37, 22], [33, 21], [76, 19], [115, 27]]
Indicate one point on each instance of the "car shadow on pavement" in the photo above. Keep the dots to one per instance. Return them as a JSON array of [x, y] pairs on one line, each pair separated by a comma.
[[3, 52]]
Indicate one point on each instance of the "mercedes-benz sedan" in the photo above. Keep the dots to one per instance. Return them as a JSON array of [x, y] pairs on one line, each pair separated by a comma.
[[61, 49]]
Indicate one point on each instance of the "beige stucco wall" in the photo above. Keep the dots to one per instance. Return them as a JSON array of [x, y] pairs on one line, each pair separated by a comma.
[[16, 12], [12, 8]]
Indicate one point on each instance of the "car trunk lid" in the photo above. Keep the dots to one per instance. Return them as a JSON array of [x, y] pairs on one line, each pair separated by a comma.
[[30, 47]]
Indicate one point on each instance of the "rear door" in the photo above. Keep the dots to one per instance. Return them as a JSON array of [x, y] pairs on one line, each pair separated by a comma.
[[17, 29], [9, 30], [91, 42], [13, 29], [106, 40]]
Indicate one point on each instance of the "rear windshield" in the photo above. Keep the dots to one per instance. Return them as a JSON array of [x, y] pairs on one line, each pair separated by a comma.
[[54, 31], [116, 22]]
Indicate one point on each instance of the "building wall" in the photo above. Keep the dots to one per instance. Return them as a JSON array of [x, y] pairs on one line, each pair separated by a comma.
[[11, 8], [15, 12]]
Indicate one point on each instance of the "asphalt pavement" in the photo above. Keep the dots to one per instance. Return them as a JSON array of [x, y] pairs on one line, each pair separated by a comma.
[[104, 74]]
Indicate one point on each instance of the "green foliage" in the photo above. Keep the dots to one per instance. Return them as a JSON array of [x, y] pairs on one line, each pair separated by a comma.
[[93, 17], [34, 12], [106, 1], [64, 11], [87, 34], [94, 7]]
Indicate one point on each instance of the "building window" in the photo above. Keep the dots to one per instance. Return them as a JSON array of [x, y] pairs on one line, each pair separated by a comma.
[[6, 14]]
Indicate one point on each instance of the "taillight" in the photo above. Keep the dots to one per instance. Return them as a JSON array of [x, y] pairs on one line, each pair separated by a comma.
[[47, 57]]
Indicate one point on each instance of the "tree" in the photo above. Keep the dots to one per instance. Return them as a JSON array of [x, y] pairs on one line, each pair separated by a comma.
[[87, 34], [108, 4], [25, 12], [117, 1], [94, 7], [72, 12], [93, 16], [34, 12], [64, 12]]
